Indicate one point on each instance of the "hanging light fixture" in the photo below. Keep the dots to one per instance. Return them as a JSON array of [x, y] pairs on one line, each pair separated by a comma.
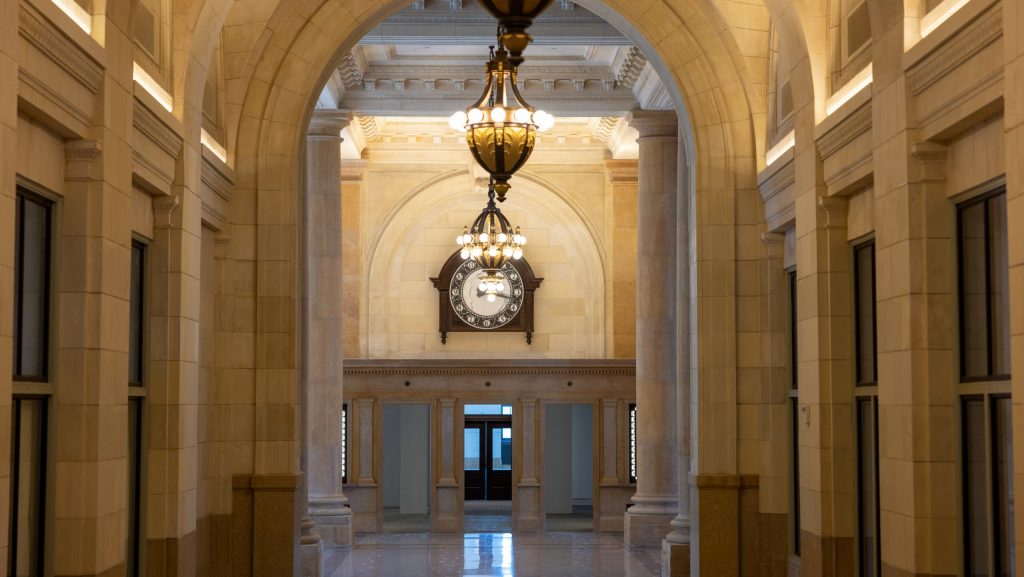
[[501, 126], [515, 16], [491, 242]]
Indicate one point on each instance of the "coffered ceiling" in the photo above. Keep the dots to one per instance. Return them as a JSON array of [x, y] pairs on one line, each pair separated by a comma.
[[427, 60]]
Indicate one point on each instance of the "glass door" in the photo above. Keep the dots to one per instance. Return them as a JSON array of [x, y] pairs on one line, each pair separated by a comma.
[[487, 452]]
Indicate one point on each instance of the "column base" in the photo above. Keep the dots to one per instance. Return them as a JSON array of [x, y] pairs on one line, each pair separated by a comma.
[[309, 549], [644, 527], [333, 521], [675, 559]]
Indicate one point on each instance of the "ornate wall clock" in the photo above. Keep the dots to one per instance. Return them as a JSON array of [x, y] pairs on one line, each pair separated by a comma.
[[464, 307]]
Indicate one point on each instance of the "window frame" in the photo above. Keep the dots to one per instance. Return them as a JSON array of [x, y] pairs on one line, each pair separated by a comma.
[[631, 423], [959, 208], [25, 193], [45, 465], [865, 245]]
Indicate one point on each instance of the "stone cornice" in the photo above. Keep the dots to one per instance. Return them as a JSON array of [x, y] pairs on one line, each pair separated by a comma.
[[217, 176], [844, 133], [775, 179], [403, 367], [622, 171], [976, 36], [156, 130], [49, 40]]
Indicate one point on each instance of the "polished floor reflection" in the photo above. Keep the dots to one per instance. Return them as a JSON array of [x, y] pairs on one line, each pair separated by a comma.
[[491, 554]]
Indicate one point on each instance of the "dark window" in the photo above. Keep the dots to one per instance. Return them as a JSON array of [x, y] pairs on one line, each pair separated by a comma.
[[1002, 460], [28, 486], [795, 472], [792, 330], [976, 522], [135, 490], [137, 327], [344, 442], [867, 487], [632, 442], [864, 305], [31, 286], [984, 289]]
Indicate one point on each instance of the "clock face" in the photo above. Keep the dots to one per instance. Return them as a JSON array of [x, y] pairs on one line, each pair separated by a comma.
[[471, 304]]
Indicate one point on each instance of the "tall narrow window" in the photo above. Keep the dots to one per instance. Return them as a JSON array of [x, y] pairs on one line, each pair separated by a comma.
[[136, 330], [867, 487], [975, 493], [632, 442], [864, 305], [984, 289], [344, 442], [794, 411], [792, 331], [133, 531], [1003, 506], [31, 286], [28, 487]]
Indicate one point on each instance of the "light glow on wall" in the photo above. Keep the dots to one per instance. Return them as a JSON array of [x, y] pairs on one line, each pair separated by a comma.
[[153, 87], [213, 146], [852, 88], [940, 14], [76, 13], [783, 146]]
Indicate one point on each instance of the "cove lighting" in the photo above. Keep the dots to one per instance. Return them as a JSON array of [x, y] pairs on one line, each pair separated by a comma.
[[936, 16], [859, 82], [213, 146], [76, 13], [783, 146], [152, 87]]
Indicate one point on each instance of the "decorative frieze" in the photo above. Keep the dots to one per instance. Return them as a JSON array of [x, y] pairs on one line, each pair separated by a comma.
[[948, 57], [48, 39]]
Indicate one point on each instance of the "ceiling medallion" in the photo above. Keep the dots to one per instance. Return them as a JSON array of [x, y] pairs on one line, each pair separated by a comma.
[[501, 126], [491, 242]]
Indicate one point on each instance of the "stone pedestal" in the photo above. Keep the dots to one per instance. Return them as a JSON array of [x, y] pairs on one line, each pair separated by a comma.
[[675, 559], [655, 504], [322, 328]]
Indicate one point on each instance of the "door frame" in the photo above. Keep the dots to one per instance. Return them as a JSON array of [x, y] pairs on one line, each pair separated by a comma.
[[595, 432]]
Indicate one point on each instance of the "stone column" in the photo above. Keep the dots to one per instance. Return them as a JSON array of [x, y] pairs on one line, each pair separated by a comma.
[[528, 500], [675, 549], [655, 501], [446, 515], [322, 328]]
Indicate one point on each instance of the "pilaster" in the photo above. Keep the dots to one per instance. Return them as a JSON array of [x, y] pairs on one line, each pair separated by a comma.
[[446, 513], [527, 496]]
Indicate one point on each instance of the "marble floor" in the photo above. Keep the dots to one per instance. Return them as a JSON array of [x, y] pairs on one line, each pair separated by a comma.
[[491, 554]]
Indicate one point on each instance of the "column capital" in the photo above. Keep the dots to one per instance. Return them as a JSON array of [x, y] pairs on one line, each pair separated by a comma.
[[353, 170], [328, 123], [654, 123]]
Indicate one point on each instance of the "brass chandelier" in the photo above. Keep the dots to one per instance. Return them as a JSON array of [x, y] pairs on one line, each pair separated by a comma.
[[501, 126], [492, 242]]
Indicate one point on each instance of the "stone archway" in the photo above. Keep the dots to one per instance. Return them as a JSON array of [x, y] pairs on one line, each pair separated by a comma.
[[716, 102]]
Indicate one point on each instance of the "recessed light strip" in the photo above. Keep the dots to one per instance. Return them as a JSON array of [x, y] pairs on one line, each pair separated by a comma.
[[859, 82], [76, 13], [936, 16], [783, 146], [213, 146], [152, 87]]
